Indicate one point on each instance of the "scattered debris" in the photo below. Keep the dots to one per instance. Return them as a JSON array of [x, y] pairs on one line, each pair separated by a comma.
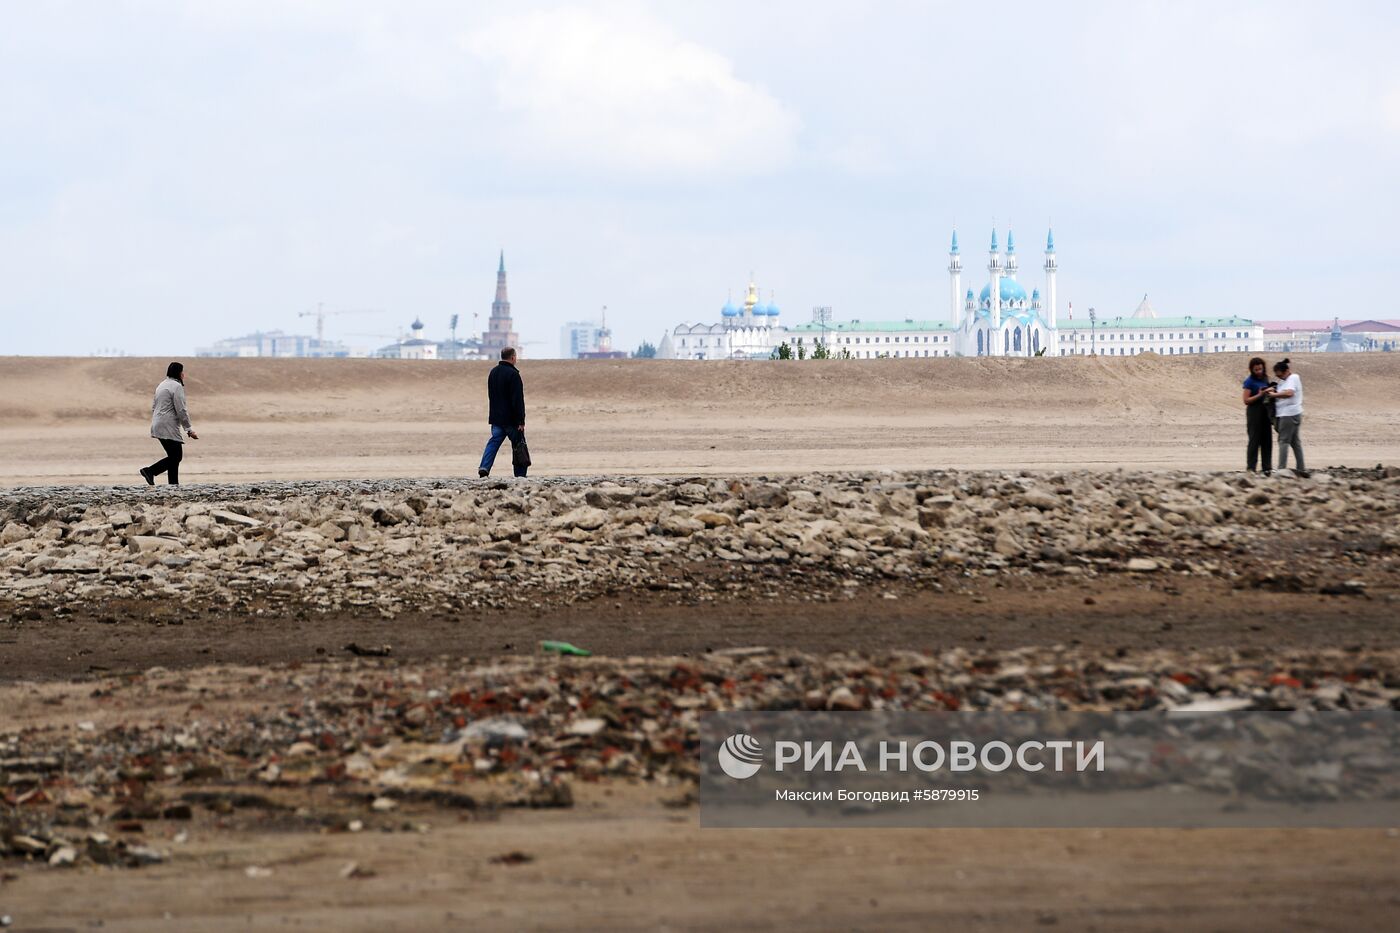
[[382, 651], [563, 647]]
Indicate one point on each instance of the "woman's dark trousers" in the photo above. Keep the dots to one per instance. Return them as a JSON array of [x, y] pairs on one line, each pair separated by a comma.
[[1261, 438], [170, 463]]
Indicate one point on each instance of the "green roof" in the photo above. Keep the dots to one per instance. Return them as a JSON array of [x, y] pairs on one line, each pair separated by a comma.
[[1118, 323], [1155, 323], [867, 327]]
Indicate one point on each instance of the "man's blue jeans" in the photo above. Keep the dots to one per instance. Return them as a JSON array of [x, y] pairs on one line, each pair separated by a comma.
[[493, 446]]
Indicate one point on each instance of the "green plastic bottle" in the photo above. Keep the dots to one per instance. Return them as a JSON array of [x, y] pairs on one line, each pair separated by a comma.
[[563, 647]]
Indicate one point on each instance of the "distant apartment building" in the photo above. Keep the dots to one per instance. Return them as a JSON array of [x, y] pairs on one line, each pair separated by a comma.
[[579, 337], [274, 343]]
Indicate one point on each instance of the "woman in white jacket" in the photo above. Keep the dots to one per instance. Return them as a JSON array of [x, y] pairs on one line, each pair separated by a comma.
[[168, 416], [1288, 409]]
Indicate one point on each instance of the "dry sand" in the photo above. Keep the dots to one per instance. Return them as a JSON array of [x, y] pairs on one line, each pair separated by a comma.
[[66, 421]]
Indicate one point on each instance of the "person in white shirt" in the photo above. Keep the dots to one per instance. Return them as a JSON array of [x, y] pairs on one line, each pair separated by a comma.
[[1288, 408]]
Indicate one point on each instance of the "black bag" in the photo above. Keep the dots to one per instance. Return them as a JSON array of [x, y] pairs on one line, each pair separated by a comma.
[[519, 452]]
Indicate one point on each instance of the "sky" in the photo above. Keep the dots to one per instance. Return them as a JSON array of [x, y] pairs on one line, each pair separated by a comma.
[[172, 173]]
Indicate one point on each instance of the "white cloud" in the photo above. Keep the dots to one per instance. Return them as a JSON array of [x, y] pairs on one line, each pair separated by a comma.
[[862, 154], [1390, 107], [625, 92]]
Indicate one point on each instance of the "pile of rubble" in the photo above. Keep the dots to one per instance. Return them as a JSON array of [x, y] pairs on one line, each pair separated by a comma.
[[371, 744], [394, 545]]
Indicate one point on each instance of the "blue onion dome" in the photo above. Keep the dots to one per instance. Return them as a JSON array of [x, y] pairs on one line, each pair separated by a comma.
[[729, 310], [772, 309], [417, 324], [760, 310], [1010, 291]]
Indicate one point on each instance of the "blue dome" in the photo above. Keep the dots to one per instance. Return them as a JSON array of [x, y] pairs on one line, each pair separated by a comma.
[[760, 310], [772, 310], [729, 310], [1010, 291]]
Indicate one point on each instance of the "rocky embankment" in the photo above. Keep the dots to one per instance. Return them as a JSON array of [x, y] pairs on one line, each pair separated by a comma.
[[390, 546]]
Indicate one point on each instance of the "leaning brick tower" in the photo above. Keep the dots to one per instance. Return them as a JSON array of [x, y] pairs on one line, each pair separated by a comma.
[[500, 331]]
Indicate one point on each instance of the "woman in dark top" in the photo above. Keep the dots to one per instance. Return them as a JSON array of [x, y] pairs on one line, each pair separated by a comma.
[[1256, 417]]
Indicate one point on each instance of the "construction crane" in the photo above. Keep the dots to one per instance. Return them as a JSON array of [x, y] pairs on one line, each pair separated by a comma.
[[320, 314]]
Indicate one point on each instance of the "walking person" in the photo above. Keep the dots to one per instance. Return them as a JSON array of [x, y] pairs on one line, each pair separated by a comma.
[[505, 391], [168, 416], [1258, 423], [1288, 408]]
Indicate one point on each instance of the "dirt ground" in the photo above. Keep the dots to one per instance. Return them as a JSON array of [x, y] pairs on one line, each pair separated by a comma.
[[66, 421], [631, 855], [621, 859], [1106, 615]]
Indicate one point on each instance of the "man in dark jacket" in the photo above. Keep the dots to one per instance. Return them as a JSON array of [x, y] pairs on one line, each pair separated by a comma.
[[506, 392]]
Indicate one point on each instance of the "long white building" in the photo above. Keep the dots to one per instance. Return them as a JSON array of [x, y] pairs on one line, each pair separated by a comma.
[[1144, 332], [869, 340]]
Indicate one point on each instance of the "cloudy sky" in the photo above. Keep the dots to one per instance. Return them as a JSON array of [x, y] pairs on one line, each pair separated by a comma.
[[172, 173]]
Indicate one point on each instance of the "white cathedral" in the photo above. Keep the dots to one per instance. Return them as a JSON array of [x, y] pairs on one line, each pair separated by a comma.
[[749, 331], [1002, 321]]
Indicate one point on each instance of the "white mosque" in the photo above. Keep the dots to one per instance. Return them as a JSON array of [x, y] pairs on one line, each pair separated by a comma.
[[1002, 321]]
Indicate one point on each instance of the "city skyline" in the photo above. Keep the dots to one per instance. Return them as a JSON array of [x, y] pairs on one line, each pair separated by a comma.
[[175, 175]]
